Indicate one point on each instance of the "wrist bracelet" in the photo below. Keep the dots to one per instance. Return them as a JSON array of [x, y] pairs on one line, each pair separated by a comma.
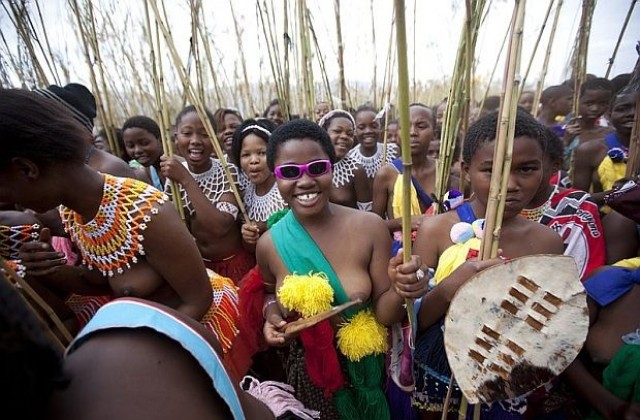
[[266, 305]]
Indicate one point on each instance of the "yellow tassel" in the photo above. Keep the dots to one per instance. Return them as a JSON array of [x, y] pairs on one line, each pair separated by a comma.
[[362, 336], [308, 295]]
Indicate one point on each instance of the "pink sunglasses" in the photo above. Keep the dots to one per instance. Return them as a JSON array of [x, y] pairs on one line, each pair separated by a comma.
[[291, 171]]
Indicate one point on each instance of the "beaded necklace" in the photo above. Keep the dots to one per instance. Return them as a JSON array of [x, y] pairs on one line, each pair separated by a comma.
[[112, 240], [344, 171], [371, 164], [212, 182], [260, 207], [535, 214]]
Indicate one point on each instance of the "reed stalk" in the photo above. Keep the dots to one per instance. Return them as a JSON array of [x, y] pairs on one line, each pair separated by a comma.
[[403, 106], [459, 92], [622, 30], [581, 51], [504, 141], [341, 80], [209, 58], [305, 63], [161, 105], [246, 87], [535, 47], [323, 69], [49, 52], [495, 66], [200, 108], [18, 17], [374, 81], [547, 56]]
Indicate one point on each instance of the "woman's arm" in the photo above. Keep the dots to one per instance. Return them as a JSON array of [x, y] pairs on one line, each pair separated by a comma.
[[173, 254]]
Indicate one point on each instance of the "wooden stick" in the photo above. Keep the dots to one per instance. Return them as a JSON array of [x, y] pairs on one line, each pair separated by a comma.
[[323, 70], [624, 28], [374, 82], [304, 323], [246, 86]]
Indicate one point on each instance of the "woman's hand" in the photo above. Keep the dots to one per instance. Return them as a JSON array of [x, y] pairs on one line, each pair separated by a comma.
[[174, 170], [39, 257], [273, 329], [250, 233], [409, 280]]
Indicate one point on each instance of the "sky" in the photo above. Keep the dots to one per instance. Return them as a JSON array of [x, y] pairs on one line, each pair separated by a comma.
[[436, 33]]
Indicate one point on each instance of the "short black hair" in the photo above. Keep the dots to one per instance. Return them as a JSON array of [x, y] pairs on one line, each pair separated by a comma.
[[242, 131], [220, 113], [553, 92], [299, 130], [39, 129], [620, 82], [146, 123], [555, 146], [364, 108], [597, 83], [188, 110], [432, 113], [485, 130], [336, 113], [491, 103], [273, 103]]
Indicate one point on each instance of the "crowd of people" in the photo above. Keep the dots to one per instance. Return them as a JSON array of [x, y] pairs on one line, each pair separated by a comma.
[[309, 219]]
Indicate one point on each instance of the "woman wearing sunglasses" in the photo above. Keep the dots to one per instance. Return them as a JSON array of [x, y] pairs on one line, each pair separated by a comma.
[[345, 249]]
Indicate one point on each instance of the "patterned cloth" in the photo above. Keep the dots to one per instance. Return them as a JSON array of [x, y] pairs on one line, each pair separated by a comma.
[[576, 219]]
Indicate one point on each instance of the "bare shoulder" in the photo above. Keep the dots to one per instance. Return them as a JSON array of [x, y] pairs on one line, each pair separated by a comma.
[[16, 218], [107, 163], [387, 174], [547, 241], [591, 150]]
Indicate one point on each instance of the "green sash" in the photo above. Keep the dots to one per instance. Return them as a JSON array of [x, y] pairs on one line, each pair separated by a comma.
[[364, 399]]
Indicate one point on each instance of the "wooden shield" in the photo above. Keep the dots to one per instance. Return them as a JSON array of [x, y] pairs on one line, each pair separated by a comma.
[[515, 326]]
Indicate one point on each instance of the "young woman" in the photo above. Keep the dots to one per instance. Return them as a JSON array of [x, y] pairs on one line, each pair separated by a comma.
[[453, 259], [142, 141], [225, 122], [351, 187], [131, 242], [261, 197], [307, 240], [369, 152], [210, 206]]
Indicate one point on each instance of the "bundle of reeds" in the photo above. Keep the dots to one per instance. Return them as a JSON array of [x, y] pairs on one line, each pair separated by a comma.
[[456, 114], [622, 30], [580, 52]]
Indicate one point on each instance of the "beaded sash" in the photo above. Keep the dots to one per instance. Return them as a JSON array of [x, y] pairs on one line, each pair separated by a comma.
[[112, 240]]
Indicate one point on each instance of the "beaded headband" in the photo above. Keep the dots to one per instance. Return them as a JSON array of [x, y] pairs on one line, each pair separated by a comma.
[[256, 127], [331, 114]]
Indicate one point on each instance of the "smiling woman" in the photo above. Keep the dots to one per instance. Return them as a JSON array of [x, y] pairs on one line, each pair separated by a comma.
[[142, 142], [306, 240]]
